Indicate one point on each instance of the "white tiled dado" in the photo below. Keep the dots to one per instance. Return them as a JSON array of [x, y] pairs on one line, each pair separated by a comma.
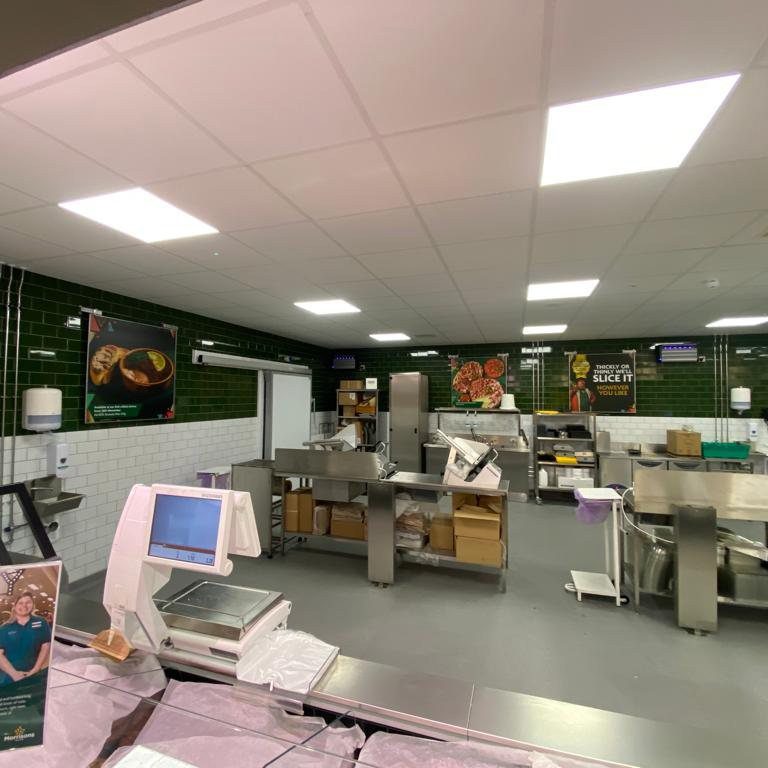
[[106, 463]]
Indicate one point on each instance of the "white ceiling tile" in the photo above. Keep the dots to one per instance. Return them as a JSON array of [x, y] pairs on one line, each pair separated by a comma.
[[260, 301], [263, 85], [358, 289], [480, 279], [650, 43], [690, 232], [664, 263], [322, 271], [598, 244], [281, 285], [215, 251], [443, 60], [480, 157], [417, 261], [179, 20], [339, 181], [13, 200], [129, 127], [65, 228], [147, 259], [211, 282], [556, 271], [598, 202], [723, 188], [737, 257], [510, 253], [371, 303], [615, 284], [233, 198], [479, 218], [18, 248], [737, 132], [83, 55], [83, 267], [429, 302], [416, 284], [560, 312], [503, 294], [379, 232], [40, 166], [727, 278], [291, 242]]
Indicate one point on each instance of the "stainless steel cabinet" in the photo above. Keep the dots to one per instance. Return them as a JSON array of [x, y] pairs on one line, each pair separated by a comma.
[[408, 419], [615, 471], [687, 465]]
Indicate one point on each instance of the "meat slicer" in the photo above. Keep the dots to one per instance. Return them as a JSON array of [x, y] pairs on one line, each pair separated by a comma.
[[470, 463]]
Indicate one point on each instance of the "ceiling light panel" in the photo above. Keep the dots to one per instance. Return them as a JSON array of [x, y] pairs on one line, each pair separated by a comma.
[[140, 214], [390, 337], [543, 330], [738, 322], [630, 133], [330, 307], [570, 289]]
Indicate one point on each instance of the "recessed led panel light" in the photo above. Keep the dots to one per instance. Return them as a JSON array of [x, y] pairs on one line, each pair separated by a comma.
[[140, 214], [390, 337], [630, 133], [738, 322], [571, 289], [533, 330], [328, 307]]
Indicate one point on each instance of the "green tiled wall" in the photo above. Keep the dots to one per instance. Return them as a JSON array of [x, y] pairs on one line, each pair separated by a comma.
[[669, 389], [202, 393]]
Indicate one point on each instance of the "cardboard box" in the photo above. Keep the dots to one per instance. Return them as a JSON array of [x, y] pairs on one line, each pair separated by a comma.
[[321, 519], [494, 503], [459, 499], [350, 384], [347, 398], [299, 510], [681, 443], [478, 551], [367, 406], [348, 410], [348, 529], [476, 523], [441, 534]]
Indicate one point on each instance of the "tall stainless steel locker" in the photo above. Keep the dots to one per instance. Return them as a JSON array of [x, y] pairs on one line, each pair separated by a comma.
[[408, 419]]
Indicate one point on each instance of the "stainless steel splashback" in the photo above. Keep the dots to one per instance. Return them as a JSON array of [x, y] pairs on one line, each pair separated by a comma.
[[483, 422], [345, 465]]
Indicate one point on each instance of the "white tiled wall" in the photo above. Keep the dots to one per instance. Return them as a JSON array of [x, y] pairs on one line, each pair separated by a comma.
[[107, 462]]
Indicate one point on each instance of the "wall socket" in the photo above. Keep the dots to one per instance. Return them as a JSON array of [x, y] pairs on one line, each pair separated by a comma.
[[754, 428]]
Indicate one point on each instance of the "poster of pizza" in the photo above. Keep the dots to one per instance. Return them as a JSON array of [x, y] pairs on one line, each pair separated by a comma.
[[131, 371], [478, 382], [602, 383], [28, 599]]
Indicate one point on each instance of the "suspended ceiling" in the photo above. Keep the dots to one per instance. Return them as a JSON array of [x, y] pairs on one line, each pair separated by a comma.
[[388, 152]]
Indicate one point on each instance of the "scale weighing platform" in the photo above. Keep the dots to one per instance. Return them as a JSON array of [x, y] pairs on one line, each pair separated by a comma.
[[221, 618]]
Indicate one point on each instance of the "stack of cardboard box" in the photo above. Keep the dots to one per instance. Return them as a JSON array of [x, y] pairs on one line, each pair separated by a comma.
[[477, 528], [299, 511]]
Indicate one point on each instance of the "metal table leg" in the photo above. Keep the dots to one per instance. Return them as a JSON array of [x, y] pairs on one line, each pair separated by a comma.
[[696, 568], [381, 533], [636, 565]]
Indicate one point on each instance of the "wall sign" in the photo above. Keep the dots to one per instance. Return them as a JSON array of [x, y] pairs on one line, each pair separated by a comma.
[[478, 383], [131, 372], [602, 383], [28, 598]]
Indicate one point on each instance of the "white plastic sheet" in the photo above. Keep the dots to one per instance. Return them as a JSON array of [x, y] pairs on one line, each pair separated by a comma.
[[286, 659]]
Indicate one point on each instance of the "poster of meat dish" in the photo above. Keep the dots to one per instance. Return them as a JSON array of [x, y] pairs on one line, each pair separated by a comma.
[[131, 371], [478, 383]]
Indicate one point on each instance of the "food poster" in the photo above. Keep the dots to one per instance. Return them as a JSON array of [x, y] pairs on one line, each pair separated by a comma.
[[478, 383], [603, 383], [131, 372], [28, 598]]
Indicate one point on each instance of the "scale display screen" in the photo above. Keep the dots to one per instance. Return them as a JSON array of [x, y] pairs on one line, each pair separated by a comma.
[[185, 529]]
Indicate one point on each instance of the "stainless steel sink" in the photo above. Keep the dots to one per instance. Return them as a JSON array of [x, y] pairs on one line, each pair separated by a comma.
[[48, 497]]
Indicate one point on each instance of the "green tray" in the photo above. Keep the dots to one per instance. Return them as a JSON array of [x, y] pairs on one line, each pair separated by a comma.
[[724, 450]]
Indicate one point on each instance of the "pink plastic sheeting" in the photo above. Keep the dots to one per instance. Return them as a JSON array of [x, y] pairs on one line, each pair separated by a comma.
[[201, 724], [388, 750]]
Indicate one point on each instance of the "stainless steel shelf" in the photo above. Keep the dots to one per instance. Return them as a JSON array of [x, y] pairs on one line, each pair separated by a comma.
[[568, 439], [570, 466], [363, 418]]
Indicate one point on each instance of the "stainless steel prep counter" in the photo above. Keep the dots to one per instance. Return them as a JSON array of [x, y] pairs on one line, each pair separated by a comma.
[[449, 709]]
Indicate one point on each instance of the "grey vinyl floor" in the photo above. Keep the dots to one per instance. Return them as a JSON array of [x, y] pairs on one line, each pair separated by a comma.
[[534, 639]]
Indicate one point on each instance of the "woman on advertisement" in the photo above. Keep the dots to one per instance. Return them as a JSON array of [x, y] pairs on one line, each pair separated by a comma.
[[25, 642]]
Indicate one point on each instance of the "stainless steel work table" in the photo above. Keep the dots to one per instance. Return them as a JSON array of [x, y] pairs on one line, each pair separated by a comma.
[[449, 709]]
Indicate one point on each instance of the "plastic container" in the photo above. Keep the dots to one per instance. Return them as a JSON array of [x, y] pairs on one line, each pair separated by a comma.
[[591, 511], [724, 450]]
